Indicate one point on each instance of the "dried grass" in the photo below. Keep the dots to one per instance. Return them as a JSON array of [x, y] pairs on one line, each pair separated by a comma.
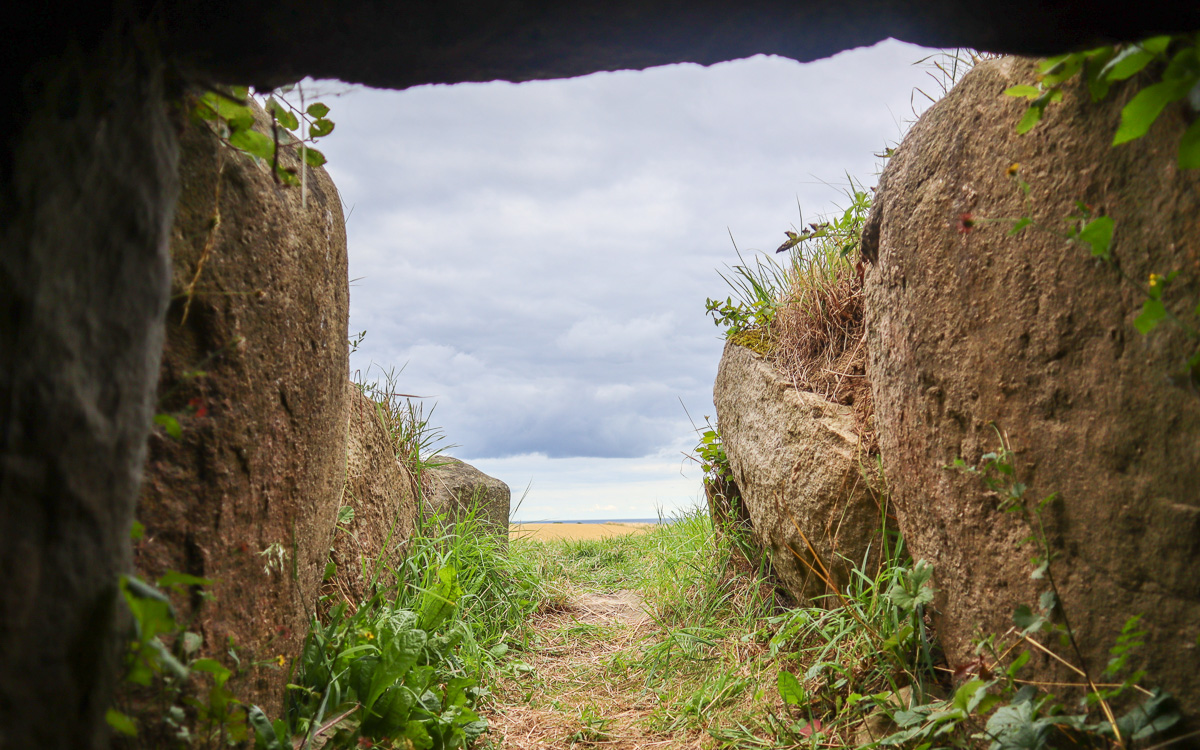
[[820, 337]]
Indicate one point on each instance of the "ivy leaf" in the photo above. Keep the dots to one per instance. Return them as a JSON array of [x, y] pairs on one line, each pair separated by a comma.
[[1153, 313], [1189, 145], [313, 157], [253, 143], [320, 128], [789, 689], [317, 109], [1097, 234], [1141, 111], [283, 115]]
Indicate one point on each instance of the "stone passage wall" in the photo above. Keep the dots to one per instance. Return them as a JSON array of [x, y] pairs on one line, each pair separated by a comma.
[[247, 495], [798, 462], [383, 496], [1031, 333]]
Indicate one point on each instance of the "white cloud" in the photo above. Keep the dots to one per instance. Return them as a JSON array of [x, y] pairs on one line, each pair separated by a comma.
[[538, 255]]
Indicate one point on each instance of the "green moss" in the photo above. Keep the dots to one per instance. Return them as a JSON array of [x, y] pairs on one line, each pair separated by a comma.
[[757, 340]]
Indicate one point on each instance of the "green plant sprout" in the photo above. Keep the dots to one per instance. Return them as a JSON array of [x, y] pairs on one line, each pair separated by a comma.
[[1103, 67], [1095, 233], [292, 127]]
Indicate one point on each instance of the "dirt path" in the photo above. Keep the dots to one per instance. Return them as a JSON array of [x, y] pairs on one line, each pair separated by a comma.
[[577, 688]]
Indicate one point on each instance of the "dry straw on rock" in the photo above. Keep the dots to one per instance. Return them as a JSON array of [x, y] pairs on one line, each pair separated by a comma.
[[819, 335]]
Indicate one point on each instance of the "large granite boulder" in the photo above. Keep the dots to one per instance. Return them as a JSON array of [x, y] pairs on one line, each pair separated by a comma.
[[454, 488], [247, 492], [798, 461], [378, 513], [968, 326]]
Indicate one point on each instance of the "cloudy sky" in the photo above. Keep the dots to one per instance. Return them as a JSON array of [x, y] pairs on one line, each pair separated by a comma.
[[536, 256]]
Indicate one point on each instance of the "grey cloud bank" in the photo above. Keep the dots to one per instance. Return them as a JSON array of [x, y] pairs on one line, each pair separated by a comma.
[[537, 255]]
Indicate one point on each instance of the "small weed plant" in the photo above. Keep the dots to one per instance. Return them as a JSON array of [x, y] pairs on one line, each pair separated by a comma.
[[993, 705], [1173, 60]]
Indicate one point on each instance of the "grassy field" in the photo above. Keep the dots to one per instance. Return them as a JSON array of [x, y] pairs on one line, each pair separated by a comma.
[[667, 639]]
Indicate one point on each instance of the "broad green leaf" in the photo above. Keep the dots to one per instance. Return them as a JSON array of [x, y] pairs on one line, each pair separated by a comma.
[[1141, 111], [253, 143], [1048, 601], [1032, 117], [789, 689], [1189, 145], [1026, 620], [137, 531], [313, 157], [1058, 73], [170, 424], [345, 515], [213, 667], [966, 693], [1029, 92], [1185, 64], [237, 115], [120, 722], [265, 737], [317, 109], [1018, 662], [283, 115], [438, 603], [1128, 62], [320, 128], [415, 732], [1153, 313], [397, 659], [1097, 234], [330, 570]]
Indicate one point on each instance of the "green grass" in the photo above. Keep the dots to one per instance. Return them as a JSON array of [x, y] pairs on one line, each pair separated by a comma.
[[706, 668]]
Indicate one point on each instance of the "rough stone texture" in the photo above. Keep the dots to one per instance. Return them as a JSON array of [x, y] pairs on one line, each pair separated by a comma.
[[795, 457], [384, 497], [87, 186], [1031, 332], [400, 45], [456, 488], [260, 463], [85, 205]]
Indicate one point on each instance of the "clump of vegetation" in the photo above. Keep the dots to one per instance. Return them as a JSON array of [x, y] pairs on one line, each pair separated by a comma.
[[1175, 61], [806, 314]]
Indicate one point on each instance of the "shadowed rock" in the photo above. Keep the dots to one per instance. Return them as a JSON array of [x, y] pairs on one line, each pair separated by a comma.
[[1032, 333], [247, 495]]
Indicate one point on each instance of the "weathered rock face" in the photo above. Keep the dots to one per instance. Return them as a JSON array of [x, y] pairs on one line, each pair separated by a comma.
[[383, 496], [796, 459], [256, 376], [1032, 333], [85, 206], [456, 488], [86, 187]]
